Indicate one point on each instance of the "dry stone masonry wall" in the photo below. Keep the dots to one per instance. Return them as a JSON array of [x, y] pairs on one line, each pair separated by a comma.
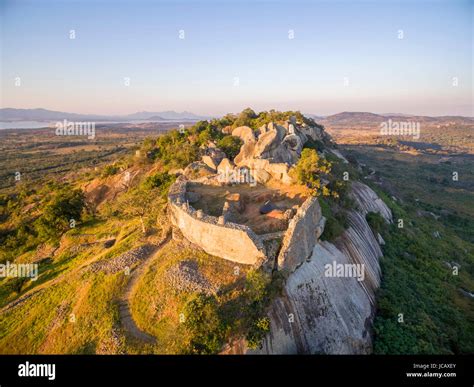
[[231, 241]]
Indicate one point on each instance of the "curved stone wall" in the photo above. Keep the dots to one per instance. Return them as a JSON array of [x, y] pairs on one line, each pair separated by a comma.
[[231, 241]]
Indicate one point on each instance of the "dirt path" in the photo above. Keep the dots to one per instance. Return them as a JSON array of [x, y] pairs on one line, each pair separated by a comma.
[[126, 319]]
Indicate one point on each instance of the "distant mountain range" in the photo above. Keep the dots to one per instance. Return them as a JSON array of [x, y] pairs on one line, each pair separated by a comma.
[[370, 119], [340, 119], [10, 114]]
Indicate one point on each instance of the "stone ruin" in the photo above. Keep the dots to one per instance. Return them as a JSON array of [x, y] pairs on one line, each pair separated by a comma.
[[267, 153]]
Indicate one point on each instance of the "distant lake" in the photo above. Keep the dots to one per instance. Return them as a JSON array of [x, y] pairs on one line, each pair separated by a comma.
[[25, 125]]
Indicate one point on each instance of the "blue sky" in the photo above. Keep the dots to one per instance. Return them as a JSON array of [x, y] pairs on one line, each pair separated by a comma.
[[344, 56]]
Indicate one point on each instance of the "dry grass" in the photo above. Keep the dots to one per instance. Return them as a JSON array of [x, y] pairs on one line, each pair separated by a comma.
[[156, 307]]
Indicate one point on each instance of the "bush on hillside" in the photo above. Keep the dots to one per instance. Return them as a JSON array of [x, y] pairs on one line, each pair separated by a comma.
[[230, 145]]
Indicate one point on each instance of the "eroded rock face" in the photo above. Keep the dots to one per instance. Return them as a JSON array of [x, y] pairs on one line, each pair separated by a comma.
[[369, 201], [245, 133], [360, 245], [268, 142], [301, 236], [212, 157], [274, 147], [197, 169], [319, 313]]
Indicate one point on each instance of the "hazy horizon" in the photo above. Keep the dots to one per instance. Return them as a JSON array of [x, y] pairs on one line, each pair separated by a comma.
[[320, 58], [204, 114]]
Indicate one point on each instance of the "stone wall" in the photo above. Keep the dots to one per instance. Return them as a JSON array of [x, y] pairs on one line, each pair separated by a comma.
[[234, 242], [303, 232]]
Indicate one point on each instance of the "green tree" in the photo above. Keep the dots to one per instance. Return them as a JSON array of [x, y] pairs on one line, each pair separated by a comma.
[[309, 170], [65, 207], [160, 180], [230, 145], [204, 325], [245, 118]]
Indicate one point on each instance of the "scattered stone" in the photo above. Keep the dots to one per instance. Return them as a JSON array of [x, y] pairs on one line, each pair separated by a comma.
[[112, 345], [60, 317], [127, 259], [380, 239], [185, 277]]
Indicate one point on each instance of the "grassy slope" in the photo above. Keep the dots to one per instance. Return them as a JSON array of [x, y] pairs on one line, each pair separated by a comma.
[[417, 281], [157, 307], [43, 323]]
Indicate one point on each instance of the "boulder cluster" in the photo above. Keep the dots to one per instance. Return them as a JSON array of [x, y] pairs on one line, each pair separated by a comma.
[[266, 153]]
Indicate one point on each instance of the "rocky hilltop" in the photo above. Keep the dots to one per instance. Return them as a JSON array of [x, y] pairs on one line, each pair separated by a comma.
[[315, 312]]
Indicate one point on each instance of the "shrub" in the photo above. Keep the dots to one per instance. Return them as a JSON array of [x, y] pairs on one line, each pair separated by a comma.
[[257, 332], [375, 221], [67, 204], [256, 284], [110, 170], [204, 325], [16, 284], [230, 145], [309, 169], [317, 145], [332, 229], [245, 118], [161, 180]]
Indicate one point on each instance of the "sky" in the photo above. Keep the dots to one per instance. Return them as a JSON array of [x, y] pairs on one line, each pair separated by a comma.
[[215, 57]]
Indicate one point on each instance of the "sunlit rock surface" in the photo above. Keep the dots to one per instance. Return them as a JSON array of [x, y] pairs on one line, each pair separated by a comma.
[[331, 315]]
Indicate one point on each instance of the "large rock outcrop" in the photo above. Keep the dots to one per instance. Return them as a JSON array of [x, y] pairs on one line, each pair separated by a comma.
[[302, 234], [274, 148], [369, 201], [319, 314], [325, 314]]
